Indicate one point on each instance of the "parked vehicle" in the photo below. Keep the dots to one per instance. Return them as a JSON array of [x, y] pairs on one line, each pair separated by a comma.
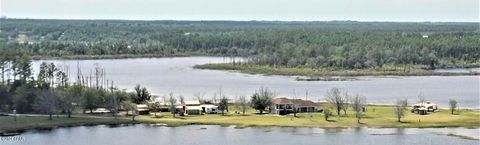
[[424, 108], [210, 109]]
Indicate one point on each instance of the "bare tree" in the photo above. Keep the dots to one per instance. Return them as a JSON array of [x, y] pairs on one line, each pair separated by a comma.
[[421, 99], [132, 107], [214, 98], [155, 107], [235, 105], [358, 105], [334, 97], [99, 75], [218, 94], [126, 105], [172, 102], [113, 103], [400, 107], [184, 106], [3, 67], [69, 97], [309, 112], [200, 97], [346, 102], [453, 105], [326, 114], [222, 96], [294, 106], [242, 104], [164, 100]]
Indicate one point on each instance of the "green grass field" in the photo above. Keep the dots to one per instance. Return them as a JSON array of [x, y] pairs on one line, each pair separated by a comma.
[[376, 116]]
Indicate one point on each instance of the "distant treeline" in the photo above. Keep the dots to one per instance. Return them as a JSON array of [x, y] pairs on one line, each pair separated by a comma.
[[344, 44]]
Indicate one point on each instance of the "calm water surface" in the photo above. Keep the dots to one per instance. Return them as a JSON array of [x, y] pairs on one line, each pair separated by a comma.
[[164, 75], [216, 135]]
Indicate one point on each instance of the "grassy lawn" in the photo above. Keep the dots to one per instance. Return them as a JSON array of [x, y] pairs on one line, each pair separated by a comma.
[[415, 70], [376, 116]]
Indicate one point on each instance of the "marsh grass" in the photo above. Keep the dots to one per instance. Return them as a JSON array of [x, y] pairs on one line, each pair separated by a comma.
[[315, 73]]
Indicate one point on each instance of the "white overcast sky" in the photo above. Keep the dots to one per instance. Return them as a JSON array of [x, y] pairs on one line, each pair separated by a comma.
[[284, 10]]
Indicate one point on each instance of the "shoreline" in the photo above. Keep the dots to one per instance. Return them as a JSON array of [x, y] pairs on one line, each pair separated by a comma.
[[133, 56], [63, 124], [302, 73], [444, 131], [99, 57], [325, 74], [376, 117], [128, 123]]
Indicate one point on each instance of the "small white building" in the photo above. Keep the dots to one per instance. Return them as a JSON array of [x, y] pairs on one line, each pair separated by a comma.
[[142, 109], [190, 108]]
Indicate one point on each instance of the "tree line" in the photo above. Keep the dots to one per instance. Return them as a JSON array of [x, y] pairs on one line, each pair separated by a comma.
[[51, 92], [291, 44]]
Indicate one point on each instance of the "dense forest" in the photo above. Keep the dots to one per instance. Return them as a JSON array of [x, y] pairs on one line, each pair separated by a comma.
[[343, 44]]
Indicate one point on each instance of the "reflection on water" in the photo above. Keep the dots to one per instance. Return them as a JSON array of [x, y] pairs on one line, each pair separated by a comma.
[[149, 135], [164, 75], [334, 130]]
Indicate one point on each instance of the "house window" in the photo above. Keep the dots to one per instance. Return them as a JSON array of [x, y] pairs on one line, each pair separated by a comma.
[[289, 106]]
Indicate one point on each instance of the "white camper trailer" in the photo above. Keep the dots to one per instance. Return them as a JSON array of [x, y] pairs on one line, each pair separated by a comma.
[[424, 108], [210, 109]]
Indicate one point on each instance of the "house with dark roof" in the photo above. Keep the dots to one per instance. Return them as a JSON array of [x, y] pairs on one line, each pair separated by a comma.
[[283, 106]]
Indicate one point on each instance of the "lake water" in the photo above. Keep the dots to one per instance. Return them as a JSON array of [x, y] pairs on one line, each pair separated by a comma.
[[164, 75], [215, 135]]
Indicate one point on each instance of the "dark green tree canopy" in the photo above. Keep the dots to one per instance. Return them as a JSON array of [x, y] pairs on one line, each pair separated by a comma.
[[293, 44], [141, 95], [261, 99]]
